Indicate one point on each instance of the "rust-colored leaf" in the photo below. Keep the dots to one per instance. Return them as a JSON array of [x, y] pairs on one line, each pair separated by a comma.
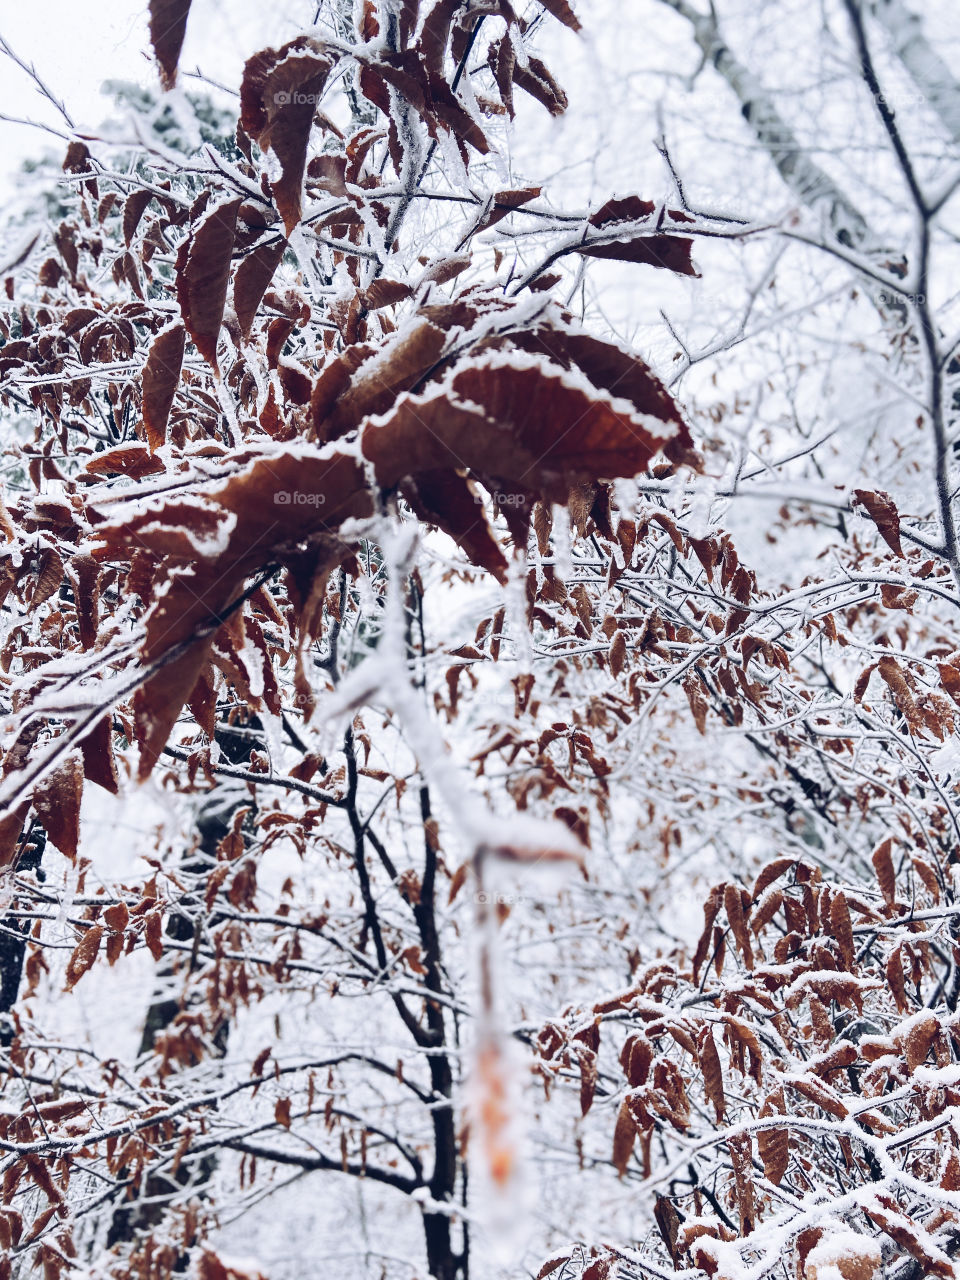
[[203, 271], [168, 26], [161, 375], [96, 749], [251, 280], [882, 859], [83, 955], [842, 929], [774, 1143], [712, 1073], [56, 799], [882, 510], [278, 100], [624, 1136]]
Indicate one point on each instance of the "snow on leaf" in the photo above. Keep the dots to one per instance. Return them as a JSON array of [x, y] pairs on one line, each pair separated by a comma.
[[278, 100]]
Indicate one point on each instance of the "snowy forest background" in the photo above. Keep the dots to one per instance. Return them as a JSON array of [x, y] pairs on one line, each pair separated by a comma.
[[480, 664]]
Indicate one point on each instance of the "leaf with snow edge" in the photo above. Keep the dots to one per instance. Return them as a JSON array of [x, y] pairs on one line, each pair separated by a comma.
[[363, 381], [605, 365], [384, 292], [563, 12], [535, 79], [882, 510], [511, 418], [131, 460], [278, 101]]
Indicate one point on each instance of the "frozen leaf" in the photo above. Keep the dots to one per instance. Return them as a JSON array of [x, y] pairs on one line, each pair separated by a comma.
[[882, 510], [278, 100]]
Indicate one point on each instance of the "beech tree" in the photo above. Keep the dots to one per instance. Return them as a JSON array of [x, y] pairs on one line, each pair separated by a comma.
[[432, 621]]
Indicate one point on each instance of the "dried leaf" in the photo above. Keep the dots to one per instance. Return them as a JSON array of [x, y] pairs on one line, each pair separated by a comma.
[[203, 272], [882, 510], [83, 955], [161, 376], [168, 26]]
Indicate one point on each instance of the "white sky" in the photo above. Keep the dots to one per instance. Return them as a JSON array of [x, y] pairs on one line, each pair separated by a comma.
[[75, 47]]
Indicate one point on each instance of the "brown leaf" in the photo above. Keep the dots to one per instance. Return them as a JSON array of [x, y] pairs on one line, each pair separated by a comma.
[[131, 460], [448, 500], [562, 11], [733, 905], [712, 1073], [251, 280], [774, 1144], [894, 678], [882, 860], [117, 917], [618, 653], [671, 253], [203, 271], [49, 576], [536, 80], [502, 421], [133, 208], [99, 765], [279, 95], [693, 688], [711, 909], [624, 1136], [281, 1112], [168, 26], [56, 799], [385, 293], [950, 679], [501, 205], [842, 929], [161, 376], [85, 576], [882, 510], [83, 955], [152, 926]]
